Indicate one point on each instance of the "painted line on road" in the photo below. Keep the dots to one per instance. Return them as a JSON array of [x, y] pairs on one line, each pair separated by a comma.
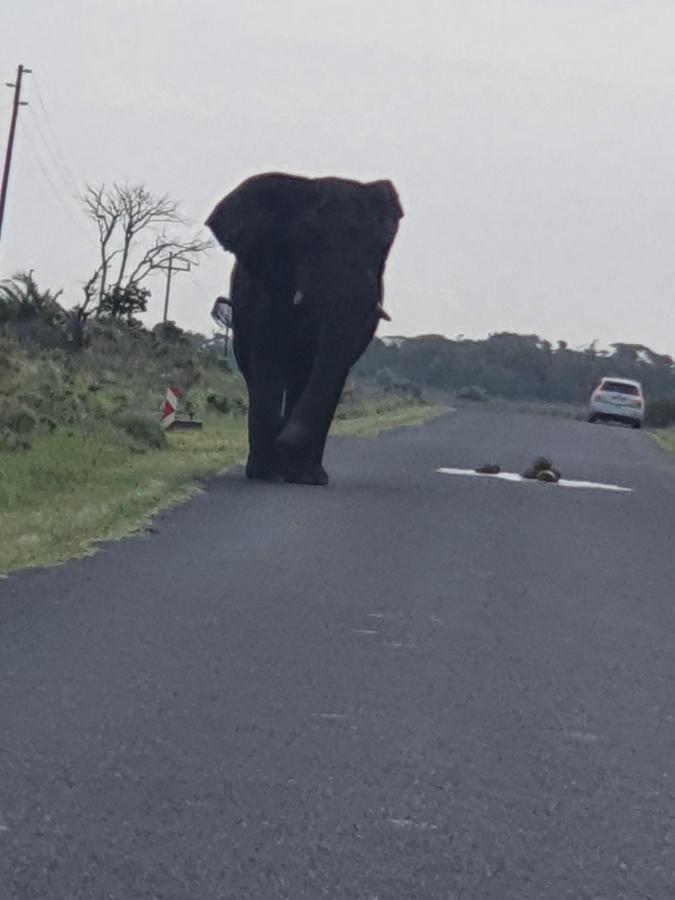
[[412, 823], [514, 476]]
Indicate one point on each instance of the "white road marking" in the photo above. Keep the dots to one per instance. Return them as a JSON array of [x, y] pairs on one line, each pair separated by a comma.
[[364, 631], [329, 715], [411, 823], [514, 476], [585, 737], [282, 411]]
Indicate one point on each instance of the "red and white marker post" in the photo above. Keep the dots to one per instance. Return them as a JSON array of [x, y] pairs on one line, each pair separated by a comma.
[[169, 408]]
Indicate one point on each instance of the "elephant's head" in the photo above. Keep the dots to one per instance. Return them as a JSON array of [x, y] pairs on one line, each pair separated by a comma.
[[315, 234]]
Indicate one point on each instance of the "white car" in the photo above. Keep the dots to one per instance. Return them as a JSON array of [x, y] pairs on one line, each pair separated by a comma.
[[618, 400]]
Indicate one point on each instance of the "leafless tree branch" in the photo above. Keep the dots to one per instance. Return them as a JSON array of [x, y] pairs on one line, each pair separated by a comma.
[[132, 225]]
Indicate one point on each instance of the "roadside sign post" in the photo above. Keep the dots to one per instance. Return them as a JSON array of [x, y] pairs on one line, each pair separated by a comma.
[[169, 408], [168, 421], [222, 316]]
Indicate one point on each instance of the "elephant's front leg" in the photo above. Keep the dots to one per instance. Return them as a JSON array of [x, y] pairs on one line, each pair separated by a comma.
[[261, 357], [303, 438], [264, 424], [267, 399], [295, 467]]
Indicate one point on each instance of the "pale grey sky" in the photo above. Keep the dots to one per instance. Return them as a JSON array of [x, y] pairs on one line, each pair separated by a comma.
[[532, 143]]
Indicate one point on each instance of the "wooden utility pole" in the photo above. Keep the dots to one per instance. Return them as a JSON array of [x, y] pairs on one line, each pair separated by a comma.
[[170, 267], [20, 72]]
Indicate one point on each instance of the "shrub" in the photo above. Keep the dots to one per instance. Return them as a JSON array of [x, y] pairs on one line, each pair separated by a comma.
[[12, 442], [143, 430], [18, 419], [472, 392], [235, 406], [32, 315], [660, 413], [218, 402], [169, 331]]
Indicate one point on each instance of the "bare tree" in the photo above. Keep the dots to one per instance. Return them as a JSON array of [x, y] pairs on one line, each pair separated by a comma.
[[138, 233]]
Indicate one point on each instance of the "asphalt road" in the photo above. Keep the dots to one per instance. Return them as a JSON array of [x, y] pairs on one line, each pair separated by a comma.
[[406, 686]]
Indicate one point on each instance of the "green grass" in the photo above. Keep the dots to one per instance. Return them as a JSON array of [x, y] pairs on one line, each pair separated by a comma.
[[666, 438], [75, 487], [370, 424]]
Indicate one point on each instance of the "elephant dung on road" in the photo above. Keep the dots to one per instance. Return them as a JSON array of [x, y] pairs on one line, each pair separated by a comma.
[[306, 296]]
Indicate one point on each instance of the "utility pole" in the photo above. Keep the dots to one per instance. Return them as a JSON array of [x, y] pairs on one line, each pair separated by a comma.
[[20, 72], [170, 268]]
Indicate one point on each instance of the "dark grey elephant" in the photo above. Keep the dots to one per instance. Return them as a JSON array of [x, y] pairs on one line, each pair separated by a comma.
[[306, 296]]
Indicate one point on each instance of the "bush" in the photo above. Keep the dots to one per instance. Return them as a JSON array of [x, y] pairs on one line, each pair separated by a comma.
[[11, 442], [224, 404], [472, 392], [32, 315], [660, 413], [169, 331], [18, 419], [218, 402], [143, 430]]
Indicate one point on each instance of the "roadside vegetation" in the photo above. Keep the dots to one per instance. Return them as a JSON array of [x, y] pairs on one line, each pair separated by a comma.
[[666, 438], [82, 454], [522, 369]]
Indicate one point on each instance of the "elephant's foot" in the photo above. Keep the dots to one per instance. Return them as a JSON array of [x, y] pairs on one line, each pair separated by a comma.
[[262, 471], [306, 475], [292, 456], [296, 470]]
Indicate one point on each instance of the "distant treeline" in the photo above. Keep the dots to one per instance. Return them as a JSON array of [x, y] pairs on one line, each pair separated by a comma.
[[514, 366]]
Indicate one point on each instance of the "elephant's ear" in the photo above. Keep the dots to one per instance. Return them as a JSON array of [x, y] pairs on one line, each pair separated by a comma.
[[386, 208], [259, 213]]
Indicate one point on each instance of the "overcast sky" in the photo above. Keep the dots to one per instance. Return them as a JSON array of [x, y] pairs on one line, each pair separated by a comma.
[[532, 143]]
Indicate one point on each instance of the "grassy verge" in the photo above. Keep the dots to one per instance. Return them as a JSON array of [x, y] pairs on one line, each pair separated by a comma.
[[666, 438], [74, 488], [372, 424], [541, 408]]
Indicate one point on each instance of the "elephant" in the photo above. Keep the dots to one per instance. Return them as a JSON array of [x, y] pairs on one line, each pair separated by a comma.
[[306, 293]]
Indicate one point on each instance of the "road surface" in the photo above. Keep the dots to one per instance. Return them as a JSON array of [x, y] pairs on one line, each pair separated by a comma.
[[406, 686]]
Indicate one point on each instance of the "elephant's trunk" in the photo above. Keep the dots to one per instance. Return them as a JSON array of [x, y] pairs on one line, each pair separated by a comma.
[[338, 349]]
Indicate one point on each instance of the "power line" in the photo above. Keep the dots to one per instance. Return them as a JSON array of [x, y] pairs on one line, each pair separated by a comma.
[[64, 163], [36, 156], [57, 164]]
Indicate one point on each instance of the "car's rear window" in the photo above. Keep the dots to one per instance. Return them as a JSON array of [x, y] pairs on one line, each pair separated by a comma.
[[617, 387]]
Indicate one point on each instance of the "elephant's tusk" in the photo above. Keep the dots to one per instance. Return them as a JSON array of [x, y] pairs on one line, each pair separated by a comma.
[[383, 315]]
